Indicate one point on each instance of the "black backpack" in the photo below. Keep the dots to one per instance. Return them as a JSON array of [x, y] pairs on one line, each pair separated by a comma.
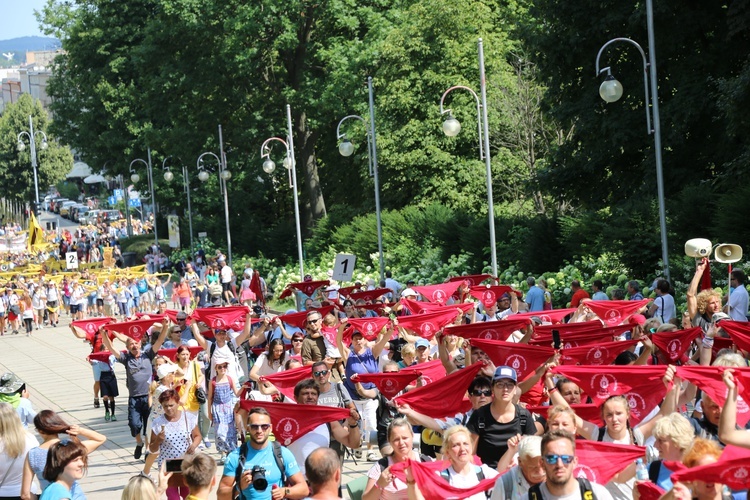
[[241, 465], [445, 474], [587, 492]]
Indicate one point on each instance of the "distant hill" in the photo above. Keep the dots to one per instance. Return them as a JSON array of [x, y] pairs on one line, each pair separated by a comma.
[[19, 46]]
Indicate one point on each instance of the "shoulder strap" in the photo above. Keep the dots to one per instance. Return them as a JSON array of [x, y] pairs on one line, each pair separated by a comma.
[[522, 417], [653, 471], [445, 474], [383, 463], [279, 461], [238, 472], [587, 492], [535, 492], [602, 430], [342, 400], [507, 480]]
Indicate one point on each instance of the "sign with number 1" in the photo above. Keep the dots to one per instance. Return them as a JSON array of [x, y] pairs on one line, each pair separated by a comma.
[[343, 268]]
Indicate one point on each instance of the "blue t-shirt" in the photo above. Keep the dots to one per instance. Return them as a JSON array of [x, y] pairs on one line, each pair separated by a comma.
[[265, 459], [55, 491], [599, 296], [535, 299]]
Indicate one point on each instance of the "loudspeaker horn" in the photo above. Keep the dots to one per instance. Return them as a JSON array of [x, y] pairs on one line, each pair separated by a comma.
[[698, 248], [727, 253]]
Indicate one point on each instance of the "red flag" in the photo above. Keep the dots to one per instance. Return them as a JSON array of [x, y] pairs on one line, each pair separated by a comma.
[[256, 288], [418, 307], [290, 422], [306, 287], [160, 317], [133, 329], [430, 371], [488, 295], [523, 358], [709, 380], [739, 332], [428, 324], [471, 279], [299, 319], [329, 332], [589, 412], [732, 469], [603, 353], [546, 330], [285, 380], [641, 386], [649, 491], [344, 291], [599, 462], [488, 330], [615, 312], [433, 485], [441, 398], [368, 327], [91, 325], [369, 294], [674, 344], [102, 356], [581, 338], [221, 318], [552, 316], [172, 353], [438, 293], [389, 384]]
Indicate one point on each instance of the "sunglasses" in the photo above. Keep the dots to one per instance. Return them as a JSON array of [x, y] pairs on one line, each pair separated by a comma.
[[552, 459], [224, 367], [255, 427], [320, 373], [311, 321], [297, 340], [483, 392]]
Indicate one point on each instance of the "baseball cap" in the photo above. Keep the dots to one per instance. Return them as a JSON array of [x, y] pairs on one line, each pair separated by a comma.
[[165, 370], [504, 372], [719, 316], [409, 292], [422, 343]]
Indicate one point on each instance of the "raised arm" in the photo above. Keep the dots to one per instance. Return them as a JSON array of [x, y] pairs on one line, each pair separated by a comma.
[[198, 335], [93, 439], [108, 343], [385, 336], [247, 330], [340, 341], [162, 336], [728, 432], [692, 302], [78, 332]]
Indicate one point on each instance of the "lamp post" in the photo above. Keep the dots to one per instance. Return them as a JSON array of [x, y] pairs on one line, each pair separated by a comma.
[[169, 177], [291, 166], [127, 209], [224, 175], [346, 149], [135, 178], [32, 145], [451, 128], [611, 90]]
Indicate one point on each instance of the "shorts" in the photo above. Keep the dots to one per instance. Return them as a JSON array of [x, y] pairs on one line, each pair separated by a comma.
[[52, 305], [184, 301], [74, 308], [99, 302], [108, 384], [226, 287], [97, 368]]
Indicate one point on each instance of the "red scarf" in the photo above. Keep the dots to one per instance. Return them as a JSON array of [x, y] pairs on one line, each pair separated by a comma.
[[603, 353], [133, 329], [428, 324], [732, 469], [291, 422], [523, 358], [430, 371], [221, 318], [172, 353], [589, 412], [286, 380], [369, 294], [299, 319], [471, 279], [739, 332], [369, 327], [306, 287], [344, 291], [431, 483], [599, 462], [551, 316], [330, 332], [581, 338], [417, 307], [256, 288], [172, 315], [389, 384], [615, 312], [444, 397], [566, 328], [709, 380], [102, 356], [640, 385], [489, 330], [674, 344], [488, 295], [719, 344], [91, 325], [438, 293], [649, 491]]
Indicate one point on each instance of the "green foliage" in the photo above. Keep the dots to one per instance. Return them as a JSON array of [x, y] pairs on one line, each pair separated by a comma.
[[140, 244], [68, 190]]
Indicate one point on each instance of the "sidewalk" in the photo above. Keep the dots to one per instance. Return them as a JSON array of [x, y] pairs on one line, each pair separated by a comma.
[[53, 364]]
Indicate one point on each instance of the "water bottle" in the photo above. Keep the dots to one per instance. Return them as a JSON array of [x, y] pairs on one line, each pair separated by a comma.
[[641, 471]]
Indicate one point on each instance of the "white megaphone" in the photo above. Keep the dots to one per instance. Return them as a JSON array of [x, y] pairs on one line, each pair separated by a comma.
[[728, 253], [698, 248]]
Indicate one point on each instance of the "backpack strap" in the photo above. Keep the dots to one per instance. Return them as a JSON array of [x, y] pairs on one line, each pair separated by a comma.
[[383, 463], [238, 472], [535, 492], [523, 417], [602, 430], [653, 471], [445, 474], [279, 461], [507, 481], [587, 492]]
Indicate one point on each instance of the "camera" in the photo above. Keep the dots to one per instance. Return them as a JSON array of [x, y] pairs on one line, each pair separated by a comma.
[[258, 475], [174, 465], [257, 310]]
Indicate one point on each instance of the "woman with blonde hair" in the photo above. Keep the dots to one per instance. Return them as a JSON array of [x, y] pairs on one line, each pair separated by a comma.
[[15, 443], [702, 452], [674, 435]]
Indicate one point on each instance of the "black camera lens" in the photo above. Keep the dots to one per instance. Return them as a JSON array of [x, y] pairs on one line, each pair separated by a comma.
[[257, 309], [259, 478]]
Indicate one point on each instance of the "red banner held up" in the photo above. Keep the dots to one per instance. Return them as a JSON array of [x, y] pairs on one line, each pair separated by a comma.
[[444, 397], [306, 287], [389, 384], [674, 344], [428, 324], [220, 318], [523, 358], [290, 422], [615, 312], [488, 330], [438, 293], [133, 329], [285, 380], [599, 462]]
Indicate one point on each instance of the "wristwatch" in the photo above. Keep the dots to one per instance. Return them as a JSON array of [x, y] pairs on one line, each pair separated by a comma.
[[286, 492]]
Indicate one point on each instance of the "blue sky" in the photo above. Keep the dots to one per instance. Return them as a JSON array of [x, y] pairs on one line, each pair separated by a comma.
[[18, 19]]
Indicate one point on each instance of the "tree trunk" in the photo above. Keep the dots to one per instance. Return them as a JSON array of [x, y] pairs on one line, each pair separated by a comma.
[[314, 207]]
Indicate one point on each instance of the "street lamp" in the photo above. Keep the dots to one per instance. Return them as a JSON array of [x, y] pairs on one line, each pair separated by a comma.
[[346, 148], [290, 164], [135, 178], [31, 135], [611, 90], [451, 128], [224, 175], [169, 177]]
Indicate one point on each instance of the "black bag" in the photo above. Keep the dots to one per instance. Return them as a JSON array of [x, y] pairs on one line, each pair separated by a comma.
[[200, 392]]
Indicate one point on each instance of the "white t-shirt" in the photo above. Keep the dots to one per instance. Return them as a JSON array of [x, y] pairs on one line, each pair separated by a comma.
[[461, 481], [316, 438], [738, 303], [12, 485], [226, 274], [665, 309], [600, 492]]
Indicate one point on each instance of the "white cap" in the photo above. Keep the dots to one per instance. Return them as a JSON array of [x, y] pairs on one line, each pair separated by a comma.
[[409, 292], [165, 370]]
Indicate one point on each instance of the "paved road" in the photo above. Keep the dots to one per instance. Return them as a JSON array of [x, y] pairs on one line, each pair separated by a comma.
[[53, 364]]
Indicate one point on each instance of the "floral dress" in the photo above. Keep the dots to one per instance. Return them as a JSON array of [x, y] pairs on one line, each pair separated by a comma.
[[222, 411]]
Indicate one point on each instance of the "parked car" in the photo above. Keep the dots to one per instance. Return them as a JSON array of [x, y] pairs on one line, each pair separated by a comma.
[[88, 216], [56, 203], [111, 215], [76, 210], [65, 208]]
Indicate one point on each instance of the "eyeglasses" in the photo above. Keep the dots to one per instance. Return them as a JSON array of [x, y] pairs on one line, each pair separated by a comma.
[[320, 373], [505, 387], [483, 392], [311, 321], [552, 459], [255, 427]]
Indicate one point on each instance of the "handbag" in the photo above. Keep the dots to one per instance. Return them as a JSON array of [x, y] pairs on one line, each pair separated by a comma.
[[200, 392]]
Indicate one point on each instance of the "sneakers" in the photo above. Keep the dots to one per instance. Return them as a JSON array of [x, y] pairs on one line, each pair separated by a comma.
[[206, 442], [358, 454], [96, 403], [222, 459], [114, 418], [372, 457], [107, 416], [138, 451]]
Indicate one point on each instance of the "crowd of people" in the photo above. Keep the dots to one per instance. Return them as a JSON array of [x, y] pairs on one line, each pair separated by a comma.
[[465, 389]]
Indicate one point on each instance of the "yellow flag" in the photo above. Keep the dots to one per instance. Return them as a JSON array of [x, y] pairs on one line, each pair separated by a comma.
[[36, 234]]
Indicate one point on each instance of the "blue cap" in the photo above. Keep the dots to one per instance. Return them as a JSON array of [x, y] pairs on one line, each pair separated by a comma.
[[422, 343], [505, 372]]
